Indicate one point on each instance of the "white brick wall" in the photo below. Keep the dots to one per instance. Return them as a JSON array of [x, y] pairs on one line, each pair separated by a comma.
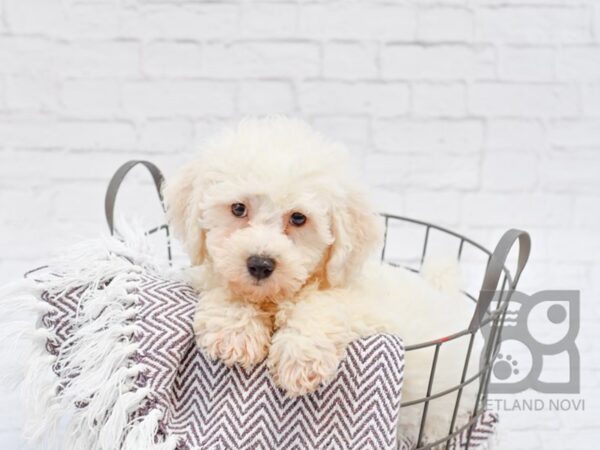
[[476, 114]]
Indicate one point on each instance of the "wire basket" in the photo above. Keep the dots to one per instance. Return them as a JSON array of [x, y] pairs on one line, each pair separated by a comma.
[[491, 298]]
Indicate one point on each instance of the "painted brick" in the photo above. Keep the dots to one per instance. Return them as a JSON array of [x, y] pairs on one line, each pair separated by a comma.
[[573, 247], [27, 133], [437, 62], [172, 59], [527, 64], [93, 20], [57, 166], [88, 97], [515, 134], [350, 60], [266, 97], [28, 55], [101, 59], [157, 99], [525, 100], [377, 99], [260, 59], [575, 133], [2, 20], [564, 173], [166, 135], [517, 210], [206, 127], [541, 24], [506, 172], [591, 100], [433, 205], [445, 24], [579, 63], [101, 135], [587, 211], [596, 22], [31, 93], [191, 20], [77, 135], [352, 131], [441, 136], [351, 21], [269, 20], [21, 204], [2, 93], [49, 18], [439, 100], [397, 172]]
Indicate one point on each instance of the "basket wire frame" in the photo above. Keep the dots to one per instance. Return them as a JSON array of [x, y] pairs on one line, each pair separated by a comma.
[[494, 318]]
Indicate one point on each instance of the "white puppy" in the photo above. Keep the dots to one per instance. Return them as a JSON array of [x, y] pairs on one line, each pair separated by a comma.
[[281, 235]]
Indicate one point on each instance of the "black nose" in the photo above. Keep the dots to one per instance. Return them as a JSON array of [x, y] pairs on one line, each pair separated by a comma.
[[260, 266]]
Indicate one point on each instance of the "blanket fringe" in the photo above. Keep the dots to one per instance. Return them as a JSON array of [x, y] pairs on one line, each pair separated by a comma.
[[83, 397], [141, 435]]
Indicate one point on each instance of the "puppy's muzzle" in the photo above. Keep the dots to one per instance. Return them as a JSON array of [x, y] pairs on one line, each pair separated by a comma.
[[260, 267]]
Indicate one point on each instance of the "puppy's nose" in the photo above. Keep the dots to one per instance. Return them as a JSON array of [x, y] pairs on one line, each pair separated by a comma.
[[260, 266]]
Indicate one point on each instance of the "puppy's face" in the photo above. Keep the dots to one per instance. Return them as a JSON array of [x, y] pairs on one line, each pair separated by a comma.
[[266, 245], [269, 206]]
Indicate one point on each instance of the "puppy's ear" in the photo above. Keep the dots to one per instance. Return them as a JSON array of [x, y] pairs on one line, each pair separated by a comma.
[[357, 231], [182, 198]]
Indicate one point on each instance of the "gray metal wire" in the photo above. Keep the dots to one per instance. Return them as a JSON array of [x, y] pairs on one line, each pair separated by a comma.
[[492, 317]]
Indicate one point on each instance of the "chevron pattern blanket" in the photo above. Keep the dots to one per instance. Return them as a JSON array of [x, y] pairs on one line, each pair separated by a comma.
[[118, 369]]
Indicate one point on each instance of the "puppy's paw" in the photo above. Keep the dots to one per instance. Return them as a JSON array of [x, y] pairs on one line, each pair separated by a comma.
[[242, 340], [299, 364]]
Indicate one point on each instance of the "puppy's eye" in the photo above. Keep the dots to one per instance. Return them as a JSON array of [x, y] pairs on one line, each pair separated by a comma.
[[239, 210], [297, 219]]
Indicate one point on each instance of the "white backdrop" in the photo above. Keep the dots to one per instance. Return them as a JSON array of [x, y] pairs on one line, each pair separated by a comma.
[[479, 115]]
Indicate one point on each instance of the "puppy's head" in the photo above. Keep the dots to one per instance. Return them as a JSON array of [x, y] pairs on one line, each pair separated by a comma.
[[271, 205]]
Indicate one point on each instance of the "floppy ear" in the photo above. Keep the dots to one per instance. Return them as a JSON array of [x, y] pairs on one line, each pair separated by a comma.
[[182, 198], [357, 232]]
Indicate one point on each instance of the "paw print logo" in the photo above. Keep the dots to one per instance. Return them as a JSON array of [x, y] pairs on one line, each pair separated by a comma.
[[538, 329], [505, 367]]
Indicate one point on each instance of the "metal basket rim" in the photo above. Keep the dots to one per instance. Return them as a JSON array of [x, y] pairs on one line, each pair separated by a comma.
[[494, 315], [490, 316]]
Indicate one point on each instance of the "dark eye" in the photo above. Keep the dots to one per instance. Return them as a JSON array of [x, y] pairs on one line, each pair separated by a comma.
[[297, 219], [239, 210]]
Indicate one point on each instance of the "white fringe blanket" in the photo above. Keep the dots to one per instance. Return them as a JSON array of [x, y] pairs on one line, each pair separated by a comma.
[[83, 381], [113, 365]]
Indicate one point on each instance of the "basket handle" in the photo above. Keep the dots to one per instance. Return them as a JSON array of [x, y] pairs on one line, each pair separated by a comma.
[[115, 183], [494, 270]]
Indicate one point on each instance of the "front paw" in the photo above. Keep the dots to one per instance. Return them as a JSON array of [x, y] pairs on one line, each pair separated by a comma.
[[244, 342], [299, 364]]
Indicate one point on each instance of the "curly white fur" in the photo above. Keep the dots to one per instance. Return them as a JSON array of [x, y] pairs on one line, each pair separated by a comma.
[[324, 291]]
